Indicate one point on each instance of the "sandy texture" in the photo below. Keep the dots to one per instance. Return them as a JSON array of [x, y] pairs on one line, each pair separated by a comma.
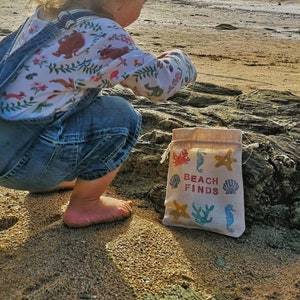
[[42, 259]]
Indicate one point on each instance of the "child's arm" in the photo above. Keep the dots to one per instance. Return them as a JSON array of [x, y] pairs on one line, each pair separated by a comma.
[[161, 77], [120, 61]]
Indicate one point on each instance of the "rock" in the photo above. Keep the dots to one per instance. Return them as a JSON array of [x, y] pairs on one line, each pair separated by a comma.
[[220, 261], [7, 222], [296, 214], [5, 31], [282, 239], [271, 172], [226, 27]]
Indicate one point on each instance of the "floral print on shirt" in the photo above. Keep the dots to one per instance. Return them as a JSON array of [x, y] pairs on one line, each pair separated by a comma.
[[94, 53]]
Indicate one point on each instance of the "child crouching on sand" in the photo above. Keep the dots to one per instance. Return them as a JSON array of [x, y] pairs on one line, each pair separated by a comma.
[[56, 131]]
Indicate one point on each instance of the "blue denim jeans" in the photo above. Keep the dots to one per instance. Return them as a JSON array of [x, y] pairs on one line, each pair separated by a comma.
[[91, 140]]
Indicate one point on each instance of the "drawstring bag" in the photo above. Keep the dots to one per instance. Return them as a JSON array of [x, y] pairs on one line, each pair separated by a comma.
[[205, 184]]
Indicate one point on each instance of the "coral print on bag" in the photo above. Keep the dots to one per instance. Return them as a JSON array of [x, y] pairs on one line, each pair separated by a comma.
[[200, 215]]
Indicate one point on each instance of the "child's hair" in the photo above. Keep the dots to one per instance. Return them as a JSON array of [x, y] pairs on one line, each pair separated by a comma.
[[54, 7]]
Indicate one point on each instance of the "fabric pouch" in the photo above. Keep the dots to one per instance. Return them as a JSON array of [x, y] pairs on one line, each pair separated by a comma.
[[205, 184]]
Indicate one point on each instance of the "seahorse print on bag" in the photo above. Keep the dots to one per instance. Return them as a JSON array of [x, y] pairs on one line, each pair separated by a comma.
[[200, 160], [229, 217]]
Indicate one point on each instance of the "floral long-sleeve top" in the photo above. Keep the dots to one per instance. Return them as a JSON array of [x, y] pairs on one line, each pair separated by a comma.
[[94, 53]]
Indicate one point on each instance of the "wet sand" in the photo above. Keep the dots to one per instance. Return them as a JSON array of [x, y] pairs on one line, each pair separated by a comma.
[[134, 259]]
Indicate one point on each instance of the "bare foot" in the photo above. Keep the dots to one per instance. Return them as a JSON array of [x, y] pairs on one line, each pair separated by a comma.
[[106, 209]]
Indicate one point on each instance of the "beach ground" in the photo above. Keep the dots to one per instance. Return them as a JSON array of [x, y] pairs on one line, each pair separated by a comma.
[[245, 45]]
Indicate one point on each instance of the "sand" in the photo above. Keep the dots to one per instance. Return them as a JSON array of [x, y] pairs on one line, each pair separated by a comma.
[[138, 258]]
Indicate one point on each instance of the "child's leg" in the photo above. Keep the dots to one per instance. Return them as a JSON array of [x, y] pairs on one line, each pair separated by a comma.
[[88, 205], [66, 185]]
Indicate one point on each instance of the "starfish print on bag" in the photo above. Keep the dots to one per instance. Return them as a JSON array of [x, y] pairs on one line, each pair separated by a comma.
[[178, 210], [226, 160]]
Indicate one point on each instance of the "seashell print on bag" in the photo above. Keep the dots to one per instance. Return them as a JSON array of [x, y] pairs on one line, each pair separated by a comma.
[[230, 186]]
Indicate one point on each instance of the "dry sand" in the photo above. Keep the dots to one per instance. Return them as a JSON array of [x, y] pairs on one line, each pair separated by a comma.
[[42, 259]]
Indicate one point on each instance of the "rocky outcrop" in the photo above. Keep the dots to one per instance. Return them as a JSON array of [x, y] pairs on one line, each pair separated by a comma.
[[271, 172]]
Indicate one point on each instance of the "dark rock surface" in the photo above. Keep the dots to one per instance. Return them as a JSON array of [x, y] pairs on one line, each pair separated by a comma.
[[271, 172]]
